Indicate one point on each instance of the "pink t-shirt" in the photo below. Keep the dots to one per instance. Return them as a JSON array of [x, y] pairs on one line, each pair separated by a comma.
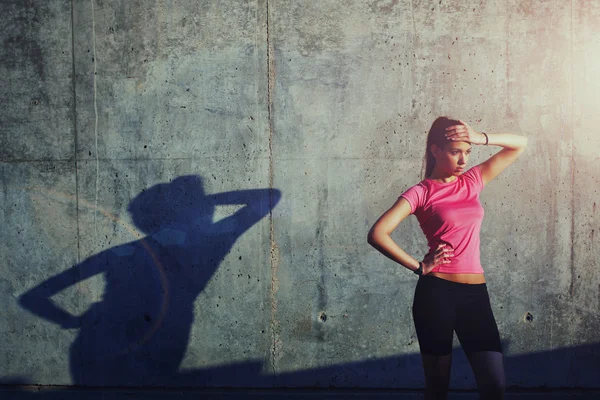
[[451, 213]]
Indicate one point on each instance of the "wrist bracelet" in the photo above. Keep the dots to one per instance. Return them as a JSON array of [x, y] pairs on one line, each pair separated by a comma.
[[419, 271], [486, 138]]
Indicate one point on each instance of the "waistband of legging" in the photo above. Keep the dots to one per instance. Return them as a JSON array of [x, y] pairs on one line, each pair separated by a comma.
[[448, 283]]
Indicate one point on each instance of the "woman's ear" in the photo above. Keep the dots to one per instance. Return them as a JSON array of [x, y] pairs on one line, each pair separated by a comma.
[[434, 150]]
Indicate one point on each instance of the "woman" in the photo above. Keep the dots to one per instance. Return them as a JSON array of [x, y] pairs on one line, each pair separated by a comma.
[[451, 294]]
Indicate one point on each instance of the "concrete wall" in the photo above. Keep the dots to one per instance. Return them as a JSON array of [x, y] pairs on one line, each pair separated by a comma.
[[187, 187]]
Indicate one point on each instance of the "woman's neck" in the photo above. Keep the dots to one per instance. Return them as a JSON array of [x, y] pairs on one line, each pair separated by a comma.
[[441, 177]]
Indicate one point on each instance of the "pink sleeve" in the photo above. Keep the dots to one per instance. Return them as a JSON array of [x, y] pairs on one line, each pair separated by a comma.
[[473, 175], [415, 197]]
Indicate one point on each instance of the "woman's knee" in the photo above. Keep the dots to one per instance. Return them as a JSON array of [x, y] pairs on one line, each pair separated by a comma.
[[488, 367]]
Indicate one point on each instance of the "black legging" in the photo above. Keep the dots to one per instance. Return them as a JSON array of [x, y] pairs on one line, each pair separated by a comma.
[[441, 307]]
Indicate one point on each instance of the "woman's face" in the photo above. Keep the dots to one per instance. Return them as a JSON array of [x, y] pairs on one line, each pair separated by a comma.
[[453, 158]]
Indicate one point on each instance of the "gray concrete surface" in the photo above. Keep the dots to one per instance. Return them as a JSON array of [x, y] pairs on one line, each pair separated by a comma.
[[136, 138]]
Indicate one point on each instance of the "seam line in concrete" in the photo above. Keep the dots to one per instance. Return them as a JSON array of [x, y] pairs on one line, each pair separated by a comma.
[[75, 139], [274, 325], [324, 157], [95, 114], [76, 144], [572, 163], [58, 160], [508, 109], [96, 138], [24, 160]]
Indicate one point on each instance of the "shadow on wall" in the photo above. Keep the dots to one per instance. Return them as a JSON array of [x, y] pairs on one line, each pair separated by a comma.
[[138, 333]]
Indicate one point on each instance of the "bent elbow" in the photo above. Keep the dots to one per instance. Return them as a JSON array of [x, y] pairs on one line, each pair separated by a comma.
[[374, 238], [370, 239], [371, 235]]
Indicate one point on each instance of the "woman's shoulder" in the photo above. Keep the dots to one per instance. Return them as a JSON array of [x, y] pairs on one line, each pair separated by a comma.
[[418, 187], [416, 195], [474, 170], [473, 177]]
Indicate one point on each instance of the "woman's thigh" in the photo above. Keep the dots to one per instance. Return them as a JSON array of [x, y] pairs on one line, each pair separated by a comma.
[[434, 316], [475, 325]]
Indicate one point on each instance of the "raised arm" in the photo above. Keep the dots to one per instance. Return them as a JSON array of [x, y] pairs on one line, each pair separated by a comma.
[[512, 147], [258, 204]]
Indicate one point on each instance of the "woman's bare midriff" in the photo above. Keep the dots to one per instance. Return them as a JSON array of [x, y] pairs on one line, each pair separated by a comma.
[[460, 278]]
